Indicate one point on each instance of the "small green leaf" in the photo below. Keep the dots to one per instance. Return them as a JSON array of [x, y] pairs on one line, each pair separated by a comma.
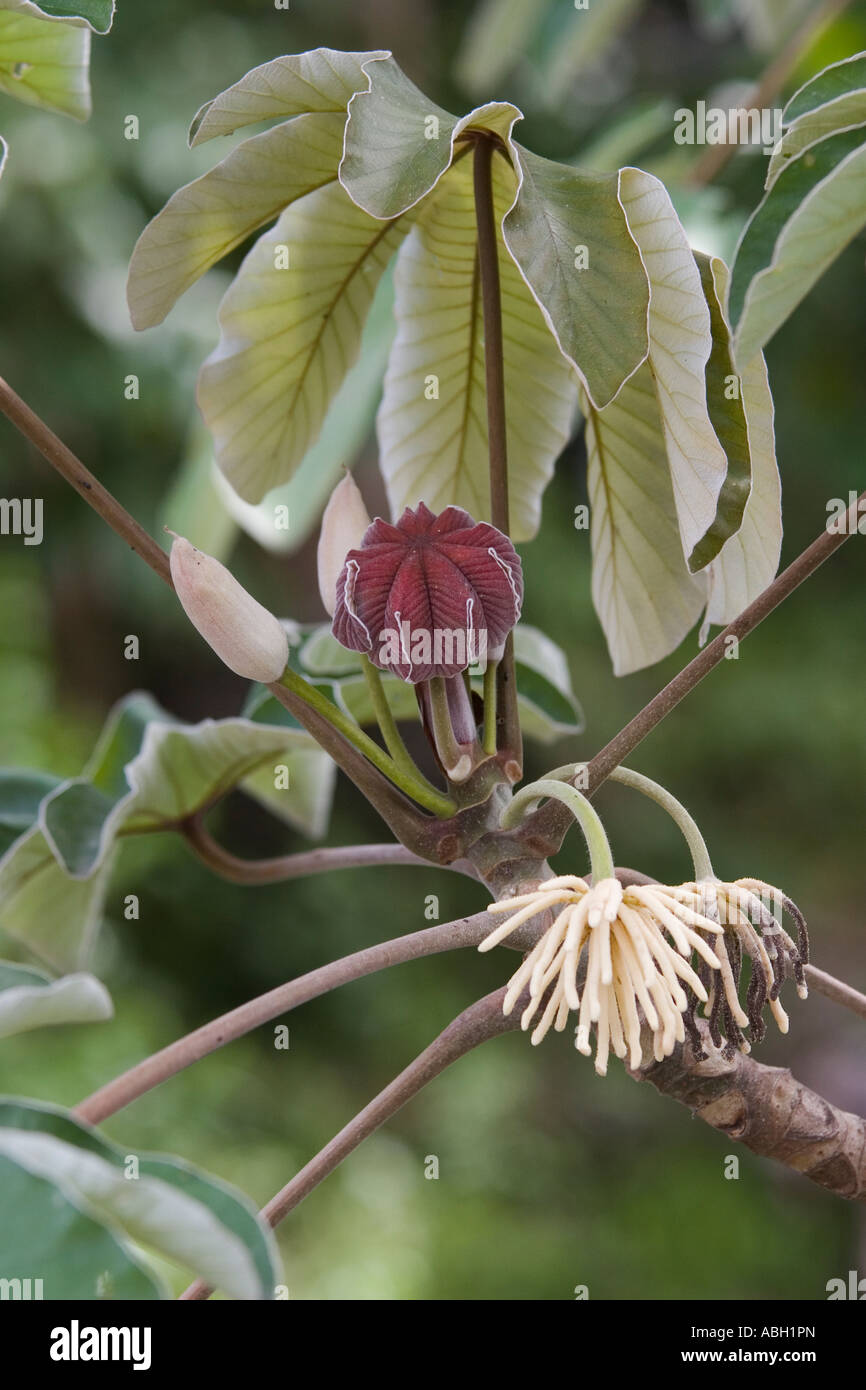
[[570, 238], [547, 704], [209, 217], [21, 792], [322, 655], [45, 64], [51, 915], [30, 999], [186, 1216], [815, 206], [496, 36], [321, 80]]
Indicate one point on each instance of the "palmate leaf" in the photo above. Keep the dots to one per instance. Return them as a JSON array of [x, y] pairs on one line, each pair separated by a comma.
[[645, 596], [597, 314], [44, 63], [324, 79], [44, 911], [814, 206], [680, 347], [432, 423], [205, 220], [182, 1214], [289, 335]]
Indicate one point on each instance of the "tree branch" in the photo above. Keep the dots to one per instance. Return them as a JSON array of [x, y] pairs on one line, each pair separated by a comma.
[[73, 470], [769, 1111], [446, 936], [288, 866], [836, 990], [477, 1024], [542, 833]]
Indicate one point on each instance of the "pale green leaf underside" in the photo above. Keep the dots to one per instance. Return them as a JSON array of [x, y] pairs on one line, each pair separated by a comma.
[[645, 597], [347, 427], [29, 1000], [208, 218], [598, 315], [77, 1257], [680, 346], [45, 64], [186, 1216], [398, 142], [816, 205], [288, 336], [322, 80], [432, 424]]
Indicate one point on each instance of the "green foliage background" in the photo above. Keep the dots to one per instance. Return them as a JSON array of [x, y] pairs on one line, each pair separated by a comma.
[[549, 1177]]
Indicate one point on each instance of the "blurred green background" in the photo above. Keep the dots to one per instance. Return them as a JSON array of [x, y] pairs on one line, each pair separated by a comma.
[[549, 1177]]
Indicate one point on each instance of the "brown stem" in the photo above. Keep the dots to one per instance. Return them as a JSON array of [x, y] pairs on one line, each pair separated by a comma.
[[542, 833], [836, 990], [89, 487], [770, 1112], [287, 866], [768, 86], [446, 936], [477, 1024], [398, 812], [509, 741]]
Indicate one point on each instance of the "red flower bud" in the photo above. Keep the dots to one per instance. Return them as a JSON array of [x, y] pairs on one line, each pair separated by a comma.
[[430, 595]]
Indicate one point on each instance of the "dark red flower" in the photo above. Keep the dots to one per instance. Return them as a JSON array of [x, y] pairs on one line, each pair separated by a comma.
[[430, 595]]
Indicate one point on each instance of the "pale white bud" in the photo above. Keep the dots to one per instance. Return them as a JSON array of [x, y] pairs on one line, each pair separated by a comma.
[[343, 526], [248, 638]]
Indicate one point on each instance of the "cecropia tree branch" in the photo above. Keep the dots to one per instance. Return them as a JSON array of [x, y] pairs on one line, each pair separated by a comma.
[[153, 1070], [543, 833], [477, 1024], [768, 1110]]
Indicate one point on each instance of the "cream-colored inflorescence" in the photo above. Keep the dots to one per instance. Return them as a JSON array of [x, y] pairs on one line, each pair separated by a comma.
[[635, 947]]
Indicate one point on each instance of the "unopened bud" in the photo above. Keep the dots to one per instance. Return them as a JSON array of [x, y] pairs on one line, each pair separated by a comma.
[[343, 526], [248, 638]]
